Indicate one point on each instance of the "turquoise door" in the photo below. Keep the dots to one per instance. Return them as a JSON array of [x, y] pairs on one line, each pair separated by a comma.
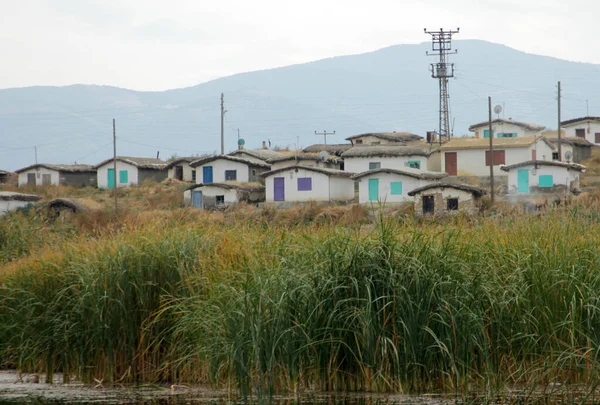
[[373, 189], [523, 181], [111, 178]]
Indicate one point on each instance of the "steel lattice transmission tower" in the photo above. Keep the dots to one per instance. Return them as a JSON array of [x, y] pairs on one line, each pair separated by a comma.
[[442, 47]]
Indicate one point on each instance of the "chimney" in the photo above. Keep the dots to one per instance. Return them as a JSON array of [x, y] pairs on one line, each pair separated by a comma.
[[264, 144]]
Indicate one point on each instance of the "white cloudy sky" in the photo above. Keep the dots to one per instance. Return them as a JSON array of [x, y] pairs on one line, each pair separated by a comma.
[[158, 44]]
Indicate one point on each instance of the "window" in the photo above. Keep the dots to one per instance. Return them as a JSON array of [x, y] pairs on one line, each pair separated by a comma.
[[597, 137], [46, 179], [415, 164], [580, 133], [498, 157], [546, 180], [396, 188], [507, 135], [230, 175], [554, 155], [254, 172], [374, 165], [358, 141], [123, 176], [304, 183], [486, 133], [452, 204], [193, 175], [220, 199]]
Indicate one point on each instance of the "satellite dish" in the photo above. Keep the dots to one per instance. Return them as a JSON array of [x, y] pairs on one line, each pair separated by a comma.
[[568, 155], [498, 109], [241, 142], [323, 155]]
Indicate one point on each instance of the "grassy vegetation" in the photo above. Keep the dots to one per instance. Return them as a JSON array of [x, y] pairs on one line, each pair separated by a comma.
[[271, 301]]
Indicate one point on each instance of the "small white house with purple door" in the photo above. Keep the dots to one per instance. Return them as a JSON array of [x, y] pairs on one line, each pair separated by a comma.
[[303, 184]]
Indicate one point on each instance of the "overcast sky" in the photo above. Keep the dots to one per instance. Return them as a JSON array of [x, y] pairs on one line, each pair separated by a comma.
[[158, 44]]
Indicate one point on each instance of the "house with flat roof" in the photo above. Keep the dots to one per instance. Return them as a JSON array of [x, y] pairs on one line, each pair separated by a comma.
[[471, 156], [587, 128], [506, 128], [43, 174]]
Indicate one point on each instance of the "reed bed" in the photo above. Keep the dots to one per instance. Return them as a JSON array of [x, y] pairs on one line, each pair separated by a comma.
[[468, 304]]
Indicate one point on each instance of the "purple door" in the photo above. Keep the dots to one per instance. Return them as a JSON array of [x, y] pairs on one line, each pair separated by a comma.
[[279, 189]]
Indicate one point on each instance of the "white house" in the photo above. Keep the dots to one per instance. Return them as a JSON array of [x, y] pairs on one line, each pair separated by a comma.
[[180, 169], [506, 128], [383, 138], [573, 149], [438, 198], [537, 176], [392, 185], [585, 127], [130, 171], [221, 195], [306, 159], [10, 201], [471, 156], [222, 168], [362, 158], [43, 174], [303, 183]]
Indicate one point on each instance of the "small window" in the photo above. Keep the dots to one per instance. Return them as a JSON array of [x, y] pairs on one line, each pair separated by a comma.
[[230, 175], [452, 204], [396, 187], [374, 165], [123, 176], [193, 175], [254, 172], [554, 155], [499, 157], [546, 180], [220, 199], [580, 133], [507, 135], [597, 137], [486, 133], [358, 141], [415, 164], [304, 183]]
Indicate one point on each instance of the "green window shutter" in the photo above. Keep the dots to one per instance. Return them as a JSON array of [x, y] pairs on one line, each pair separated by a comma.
[[486, 133], [415, 164], [123, 176], [546, 180], [396, 187]]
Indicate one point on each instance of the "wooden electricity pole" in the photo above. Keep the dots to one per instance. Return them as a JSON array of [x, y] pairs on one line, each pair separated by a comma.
[[491, 150], [559, 144], [222, 124], [115, 162]]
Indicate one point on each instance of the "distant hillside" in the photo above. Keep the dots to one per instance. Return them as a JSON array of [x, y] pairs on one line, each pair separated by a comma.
[[389, 89]]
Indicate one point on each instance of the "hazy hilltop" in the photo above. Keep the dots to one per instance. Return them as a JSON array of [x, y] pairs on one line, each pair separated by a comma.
[[389, 89]]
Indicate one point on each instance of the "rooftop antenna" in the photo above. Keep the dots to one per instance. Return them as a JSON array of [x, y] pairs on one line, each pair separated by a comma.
[[323, 155], [442, 47]]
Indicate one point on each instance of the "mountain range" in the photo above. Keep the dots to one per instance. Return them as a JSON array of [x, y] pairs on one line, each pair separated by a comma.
[[390, 89]]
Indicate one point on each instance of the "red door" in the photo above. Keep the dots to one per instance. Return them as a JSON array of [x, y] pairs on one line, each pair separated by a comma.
[[451, 165]]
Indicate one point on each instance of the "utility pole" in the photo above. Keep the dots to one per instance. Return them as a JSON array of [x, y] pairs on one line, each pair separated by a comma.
[[115, 163], [559, 144], [223, 111], [35, 152], [442, 47], [491, 150], [325, 133]]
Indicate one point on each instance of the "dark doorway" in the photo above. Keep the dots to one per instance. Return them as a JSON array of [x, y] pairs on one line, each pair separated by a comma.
[[179, 173], [428, 204], [31, 179]]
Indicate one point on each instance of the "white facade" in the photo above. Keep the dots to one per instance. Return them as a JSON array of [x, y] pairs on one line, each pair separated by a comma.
[[7, 206], [187, 171], [219, 166], [304, 162], [471, 162], [362, 164], [511, 130], [386, 194], [590, 128], [561, 176], [132, 174], [324, 187], [43, 176]]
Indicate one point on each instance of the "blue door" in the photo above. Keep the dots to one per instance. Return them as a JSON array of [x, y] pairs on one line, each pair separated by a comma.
[[279, 189], [523, 181], [197, 198], [207, 174]]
